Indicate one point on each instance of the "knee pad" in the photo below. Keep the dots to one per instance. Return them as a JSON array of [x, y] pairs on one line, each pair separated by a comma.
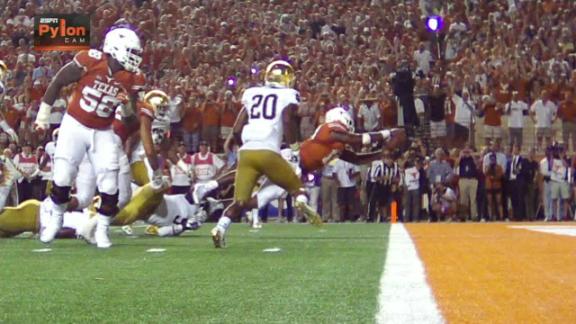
[[108, 204], [60, 195]]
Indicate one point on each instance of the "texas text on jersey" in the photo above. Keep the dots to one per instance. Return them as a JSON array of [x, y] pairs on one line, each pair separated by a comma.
[[94, 99]]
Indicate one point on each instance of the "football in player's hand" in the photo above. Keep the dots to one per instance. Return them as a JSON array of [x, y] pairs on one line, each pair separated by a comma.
[[397, 139]]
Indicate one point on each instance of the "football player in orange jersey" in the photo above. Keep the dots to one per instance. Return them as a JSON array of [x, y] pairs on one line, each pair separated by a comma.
[[329, 141], [101, 78]]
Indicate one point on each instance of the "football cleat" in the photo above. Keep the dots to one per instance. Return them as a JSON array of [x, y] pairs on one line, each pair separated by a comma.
[[127, 229], [50, 221], [86, 231], [312, 216], [101, 235], [218, 237], [151, 230]]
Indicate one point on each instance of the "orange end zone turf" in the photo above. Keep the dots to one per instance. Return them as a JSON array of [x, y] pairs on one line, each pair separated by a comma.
[[490, 273]]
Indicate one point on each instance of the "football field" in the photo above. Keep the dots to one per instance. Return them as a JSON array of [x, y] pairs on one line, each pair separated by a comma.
[[327, 275], [340, 273]]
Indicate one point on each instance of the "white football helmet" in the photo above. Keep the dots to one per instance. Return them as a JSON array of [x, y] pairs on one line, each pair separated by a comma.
[[340, 115], [124, 46]]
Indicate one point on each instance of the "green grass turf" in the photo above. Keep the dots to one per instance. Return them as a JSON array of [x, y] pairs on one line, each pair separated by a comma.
[[320, 276]]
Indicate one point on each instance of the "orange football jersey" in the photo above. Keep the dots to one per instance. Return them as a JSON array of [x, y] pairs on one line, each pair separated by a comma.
[[94, 100], [319, 149]]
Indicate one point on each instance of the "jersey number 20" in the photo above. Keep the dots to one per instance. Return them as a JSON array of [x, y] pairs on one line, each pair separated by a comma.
[[263, 107]]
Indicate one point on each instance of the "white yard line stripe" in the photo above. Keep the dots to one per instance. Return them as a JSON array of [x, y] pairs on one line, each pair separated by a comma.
[[405, 296]]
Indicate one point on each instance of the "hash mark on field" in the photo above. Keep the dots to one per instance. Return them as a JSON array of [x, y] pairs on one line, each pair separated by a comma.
[[566, 230], [405, 296]]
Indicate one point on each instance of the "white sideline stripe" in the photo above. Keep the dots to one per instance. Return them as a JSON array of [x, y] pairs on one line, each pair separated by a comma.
[[405, 296], [566, 230]]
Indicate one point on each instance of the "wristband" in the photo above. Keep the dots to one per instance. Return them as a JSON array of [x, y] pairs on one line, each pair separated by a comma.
[[386, 134], [366, 140], [43, 116]]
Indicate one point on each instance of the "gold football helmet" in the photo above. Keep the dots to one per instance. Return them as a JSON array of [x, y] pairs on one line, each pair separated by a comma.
[[3, 70], [159, 101], [280, 74]]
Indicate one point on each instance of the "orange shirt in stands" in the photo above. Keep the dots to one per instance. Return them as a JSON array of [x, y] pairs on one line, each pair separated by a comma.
[[228, 116], [492, 115], [211, 114], [567, 110], [192, 119]]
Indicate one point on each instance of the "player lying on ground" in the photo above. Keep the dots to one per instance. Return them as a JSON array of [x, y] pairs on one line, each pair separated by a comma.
[[259, 129], [327, 143], [172, 214]]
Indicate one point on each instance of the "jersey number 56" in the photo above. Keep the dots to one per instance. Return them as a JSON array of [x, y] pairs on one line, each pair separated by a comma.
[[95, 101]]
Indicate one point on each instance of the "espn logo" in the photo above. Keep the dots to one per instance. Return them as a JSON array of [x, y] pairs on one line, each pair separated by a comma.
[[57, 32]]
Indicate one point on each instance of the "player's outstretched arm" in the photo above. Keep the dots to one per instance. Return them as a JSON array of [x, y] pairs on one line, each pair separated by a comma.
[[241, 120], [68, 74], [290, 119], [393, 137], [360, 158]]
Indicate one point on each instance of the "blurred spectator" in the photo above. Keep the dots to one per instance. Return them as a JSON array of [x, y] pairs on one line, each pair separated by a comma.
[[468, 183], [559, 186], [465, 109], [423, 59], [439, 169], [28, 163], [176, 112], [347, 176], [230, 109], [516, 109], [438, 130], [329, 190], [412, 185], [444, 202], [210, 120], [567, 113], [494, 184], [530, 171], [191, 125], [206, 165], [181, 179], [45, 174], [9, 175], [543, 113], [369, 117], [516, 183], [492, 119], [546, 167]]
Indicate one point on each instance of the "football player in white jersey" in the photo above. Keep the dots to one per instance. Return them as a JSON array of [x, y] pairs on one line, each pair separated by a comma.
[[259, 128]]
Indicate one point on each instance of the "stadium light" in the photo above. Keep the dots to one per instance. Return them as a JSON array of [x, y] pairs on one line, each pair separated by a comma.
[[434, 23]]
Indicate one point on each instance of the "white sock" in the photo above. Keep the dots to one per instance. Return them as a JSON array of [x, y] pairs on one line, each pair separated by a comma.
[[255, 216], [302, 198], [224, 223], [103, 222], [170, 230]]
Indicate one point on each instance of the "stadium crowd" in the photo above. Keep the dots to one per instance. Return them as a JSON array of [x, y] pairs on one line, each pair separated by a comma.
[[500, 62]]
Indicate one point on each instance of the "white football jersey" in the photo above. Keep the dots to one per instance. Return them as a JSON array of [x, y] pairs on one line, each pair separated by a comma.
[[172, 210], [264, 105]]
